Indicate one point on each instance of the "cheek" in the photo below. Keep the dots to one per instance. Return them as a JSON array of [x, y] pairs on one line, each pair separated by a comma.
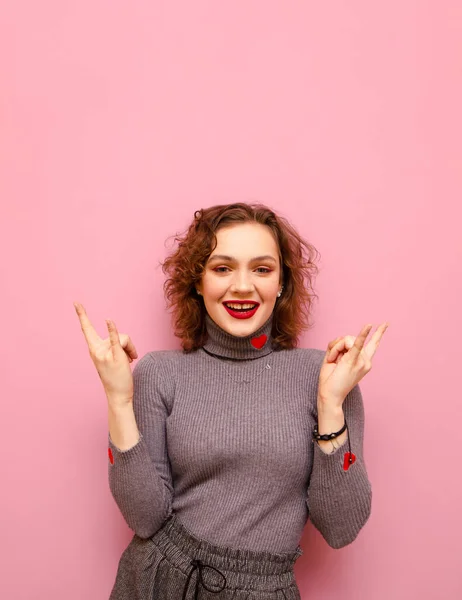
[[214, 288], [271, 287]]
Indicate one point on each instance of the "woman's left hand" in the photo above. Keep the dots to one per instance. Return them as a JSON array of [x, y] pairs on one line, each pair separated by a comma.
[[346, 362]]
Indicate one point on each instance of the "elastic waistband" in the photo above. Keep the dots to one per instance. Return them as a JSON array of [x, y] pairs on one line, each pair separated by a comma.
[[242, 568]]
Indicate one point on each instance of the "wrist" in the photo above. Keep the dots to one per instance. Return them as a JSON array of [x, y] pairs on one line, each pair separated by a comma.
[[329, 407], [330, 418], [116, 405], [123, 429]]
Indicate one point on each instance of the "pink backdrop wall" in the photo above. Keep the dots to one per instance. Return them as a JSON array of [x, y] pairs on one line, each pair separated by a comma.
[[118, 120]]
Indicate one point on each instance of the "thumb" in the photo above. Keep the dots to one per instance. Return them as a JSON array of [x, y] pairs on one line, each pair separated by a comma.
[[329, 348]]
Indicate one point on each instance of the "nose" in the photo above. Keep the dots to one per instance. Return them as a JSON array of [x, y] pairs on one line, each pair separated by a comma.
[[242, 284]]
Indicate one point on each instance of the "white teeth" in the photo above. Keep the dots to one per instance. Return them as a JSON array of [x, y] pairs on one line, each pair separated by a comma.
[[242, 306]]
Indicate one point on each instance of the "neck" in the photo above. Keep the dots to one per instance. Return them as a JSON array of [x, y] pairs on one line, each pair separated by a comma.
[[221, 343]]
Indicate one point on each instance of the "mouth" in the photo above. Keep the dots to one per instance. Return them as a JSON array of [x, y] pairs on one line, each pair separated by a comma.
[[248, 310]]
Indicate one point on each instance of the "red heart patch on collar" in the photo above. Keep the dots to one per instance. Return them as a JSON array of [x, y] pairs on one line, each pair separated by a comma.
[[259, 342]]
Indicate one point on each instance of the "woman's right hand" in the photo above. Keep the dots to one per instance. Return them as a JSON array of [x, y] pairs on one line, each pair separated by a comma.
[[111, 357]]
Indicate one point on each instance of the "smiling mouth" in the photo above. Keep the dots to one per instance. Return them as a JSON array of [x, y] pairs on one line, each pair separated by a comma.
[[241, 313]]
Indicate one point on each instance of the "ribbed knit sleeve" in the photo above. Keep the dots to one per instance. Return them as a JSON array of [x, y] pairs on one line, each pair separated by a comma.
[[339, 501], [140, 478]]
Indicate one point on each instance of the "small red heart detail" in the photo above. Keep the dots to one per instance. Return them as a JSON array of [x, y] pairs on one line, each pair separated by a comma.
[[259, 342], [346, 460], [111, 458]]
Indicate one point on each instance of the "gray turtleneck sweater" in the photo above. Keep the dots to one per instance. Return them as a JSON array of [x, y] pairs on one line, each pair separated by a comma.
[[226, 444]]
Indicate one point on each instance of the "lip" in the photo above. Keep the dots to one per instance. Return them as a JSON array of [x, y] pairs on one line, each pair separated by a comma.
[[242, 302], [238, 315]]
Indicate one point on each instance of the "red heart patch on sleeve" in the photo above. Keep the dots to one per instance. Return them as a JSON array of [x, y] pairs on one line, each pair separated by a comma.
[[346, 460], [111, 458]]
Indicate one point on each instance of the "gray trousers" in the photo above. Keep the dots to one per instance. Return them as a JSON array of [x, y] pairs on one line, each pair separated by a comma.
[[175, 565]]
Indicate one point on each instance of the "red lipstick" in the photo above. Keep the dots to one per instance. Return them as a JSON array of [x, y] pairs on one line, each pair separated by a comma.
[[241, 314]]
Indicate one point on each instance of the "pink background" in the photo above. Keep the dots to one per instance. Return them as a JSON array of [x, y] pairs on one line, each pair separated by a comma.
[[118, 120]]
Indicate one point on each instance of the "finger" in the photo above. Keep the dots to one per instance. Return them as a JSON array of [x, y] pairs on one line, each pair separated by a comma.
[[341, 346], [336, 349], [333, 342], [330, 345], [88, 330], [359, 343], [374, 342], [128, 345], [113, 336]]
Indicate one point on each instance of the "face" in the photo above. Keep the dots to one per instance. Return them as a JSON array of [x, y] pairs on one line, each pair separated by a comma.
[[241, 276]]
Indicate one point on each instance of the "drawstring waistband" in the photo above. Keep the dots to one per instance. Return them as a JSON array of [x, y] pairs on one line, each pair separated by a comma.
[[201, 565], [235, 568]]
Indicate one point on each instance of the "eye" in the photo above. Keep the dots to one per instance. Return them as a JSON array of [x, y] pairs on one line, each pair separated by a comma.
[[265, 269]]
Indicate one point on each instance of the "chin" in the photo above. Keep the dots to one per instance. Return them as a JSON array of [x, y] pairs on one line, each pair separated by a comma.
[[243, 331], [242, 327]]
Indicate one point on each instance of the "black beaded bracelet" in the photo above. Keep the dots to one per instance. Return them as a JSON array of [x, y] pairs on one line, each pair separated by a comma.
[[327, 436], [349, 458]]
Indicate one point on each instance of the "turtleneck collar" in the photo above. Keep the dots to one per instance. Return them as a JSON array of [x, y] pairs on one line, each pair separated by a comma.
[[226, 345]]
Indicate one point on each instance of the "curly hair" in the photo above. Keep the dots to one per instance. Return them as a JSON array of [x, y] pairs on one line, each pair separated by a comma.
[[186, 264]]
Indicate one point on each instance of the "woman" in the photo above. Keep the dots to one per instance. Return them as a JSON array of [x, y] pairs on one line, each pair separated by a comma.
[[215, 454]]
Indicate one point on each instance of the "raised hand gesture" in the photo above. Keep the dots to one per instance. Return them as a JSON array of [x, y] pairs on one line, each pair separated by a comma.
[[346, 362], [112, 357]]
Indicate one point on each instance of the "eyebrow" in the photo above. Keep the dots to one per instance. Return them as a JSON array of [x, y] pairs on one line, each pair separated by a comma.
[[233, 259]]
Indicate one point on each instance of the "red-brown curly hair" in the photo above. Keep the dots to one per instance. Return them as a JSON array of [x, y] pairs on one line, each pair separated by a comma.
[[185, 266]]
